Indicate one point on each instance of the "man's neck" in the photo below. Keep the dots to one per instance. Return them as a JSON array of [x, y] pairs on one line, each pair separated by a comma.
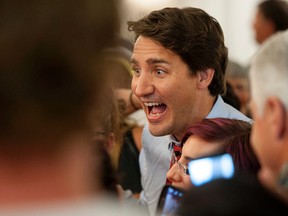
[[201, 109]]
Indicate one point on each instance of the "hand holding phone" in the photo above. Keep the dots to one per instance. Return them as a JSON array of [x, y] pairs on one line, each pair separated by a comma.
[[169, 200]]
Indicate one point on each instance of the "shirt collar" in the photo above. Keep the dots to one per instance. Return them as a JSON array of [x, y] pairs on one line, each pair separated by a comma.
[[219, 109]]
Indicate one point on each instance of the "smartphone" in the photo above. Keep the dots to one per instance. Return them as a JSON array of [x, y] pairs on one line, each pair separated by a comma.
[[169, 200], [204, 170]]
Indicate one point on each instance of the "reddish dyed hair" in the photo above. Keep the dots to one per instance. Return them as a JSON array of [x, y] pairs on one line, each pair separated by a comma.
[[235, 136]]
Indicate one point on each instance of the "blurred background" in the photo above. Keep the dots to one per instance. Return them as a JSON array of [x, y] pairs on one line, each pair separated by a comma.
[[235, 17]]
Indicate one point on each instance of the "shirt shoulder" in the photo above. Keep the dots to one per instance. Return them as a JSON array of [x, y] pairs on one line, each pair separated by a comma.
[[224, 110]]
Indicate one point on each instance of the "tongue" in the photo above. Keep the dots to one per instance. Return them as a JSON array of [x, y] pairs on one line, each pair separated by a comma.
[[158, 109]]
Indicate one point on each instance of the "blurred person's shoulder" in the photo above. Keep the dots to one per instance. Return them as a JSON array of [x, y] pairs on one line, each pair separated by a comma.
[[108, 206], [237, 196]]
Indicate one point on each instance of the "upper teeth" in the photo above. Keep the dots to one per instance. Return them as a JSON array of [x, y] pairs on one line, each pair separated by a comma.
[[152, 104]]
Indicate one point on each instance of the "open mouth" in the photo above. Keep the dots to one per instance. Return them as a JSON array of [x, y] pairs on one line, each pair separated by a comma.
[[155, 109]]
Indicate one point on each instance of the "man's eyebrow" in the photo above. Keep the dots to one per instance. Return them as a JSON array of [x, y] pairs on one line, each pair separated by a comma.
[[156, 61], [133, 61], [150, 61]]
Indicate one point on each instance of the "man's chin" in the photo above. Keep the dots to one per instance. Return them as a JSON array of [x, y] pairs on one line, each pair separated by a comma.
[[156, 130]]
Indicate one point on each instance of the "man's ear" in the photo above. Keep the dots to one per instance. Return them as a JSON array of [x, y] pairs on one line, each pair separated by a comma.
[[276, 115], [205, 78]]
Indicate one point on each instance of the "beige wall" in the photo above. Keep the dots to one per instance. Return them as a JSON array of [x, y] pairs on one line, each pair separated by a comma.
[[235, 17]]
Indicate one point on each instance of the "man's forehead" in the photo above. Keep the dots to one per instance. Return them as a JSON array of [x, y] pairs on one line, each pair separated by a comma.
[[146, 44], [152, 51]]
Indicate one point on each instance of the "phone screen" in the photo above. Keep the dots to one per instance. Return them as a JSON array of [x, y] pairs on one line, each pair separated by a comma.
[[169, 200], [203, 170]]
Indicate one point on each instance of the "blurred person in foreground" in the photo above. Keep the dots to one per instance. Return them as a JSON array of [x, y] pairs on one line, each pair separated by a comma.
[[50, 82], [271, 16], [269, 89]]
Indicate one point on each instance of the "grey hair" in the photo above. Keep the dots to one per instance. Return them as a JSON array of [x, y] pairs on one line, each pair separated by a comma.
[[269, 71]]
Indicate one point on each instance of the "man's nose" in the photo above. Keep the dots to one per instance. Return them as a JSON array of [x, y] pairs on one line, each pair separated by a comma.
[[142, 85]]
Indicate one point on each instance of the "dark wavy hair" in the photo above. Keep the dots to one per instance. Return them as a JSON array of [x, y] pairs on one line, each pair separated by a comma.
[[277, 12], [192, 34], [235, 136]]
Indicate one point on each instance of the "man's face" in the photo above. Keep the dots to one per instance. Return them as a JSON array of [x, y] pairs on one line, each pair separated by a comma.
[[240, 87], [262, 139], [263, 28], [166, 90]]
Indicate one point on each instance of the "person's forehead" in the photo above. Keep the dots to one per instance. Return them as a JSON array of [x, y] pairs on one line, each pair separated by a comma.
[[147, 51], [146, 45], [196, 147]]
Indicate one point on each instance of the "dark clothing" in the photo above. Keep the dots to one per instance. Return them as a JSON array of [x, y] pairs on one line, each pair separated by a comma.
[[231, 98], [129, 170], [237, 196]]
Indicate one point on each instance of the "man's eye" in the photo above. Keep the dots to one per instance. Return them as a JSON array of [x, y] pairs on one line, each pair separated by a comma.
[[160, 71], [136, 70]]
